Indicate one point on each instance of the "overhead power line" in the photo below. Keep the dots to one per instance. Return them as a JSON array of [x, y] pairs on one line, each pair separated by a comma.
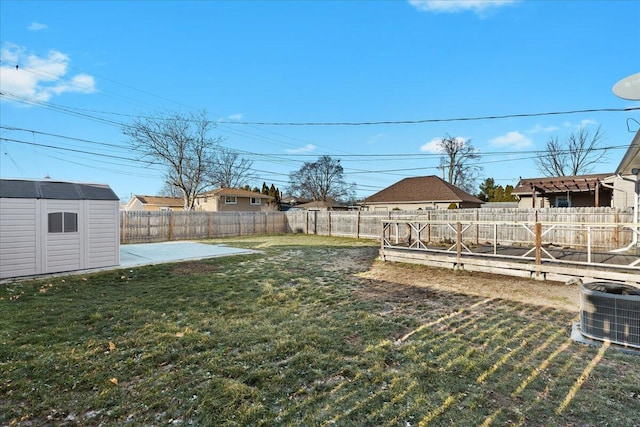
[[454, 119], [17, 141]]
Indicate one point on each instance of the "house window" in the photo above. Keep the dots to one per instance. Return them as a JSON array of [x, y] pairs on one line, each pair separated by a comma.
[[255, 200], [562, 202], [63, 222], [230, 200]]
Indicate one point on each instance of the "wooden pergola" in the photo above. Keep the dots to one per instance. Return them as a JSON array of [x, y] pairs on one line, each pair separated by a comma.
[[541, 187], [562, 185]]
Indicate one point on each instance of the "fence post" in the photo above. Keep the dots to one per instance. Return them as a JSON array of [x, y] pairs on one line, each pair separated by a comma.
[[171, 225], [477, 227], [209, 224], [458, 241], [329, 221], [538, 229], [358, 225], [123, 226], [588, 243], [148, 225]]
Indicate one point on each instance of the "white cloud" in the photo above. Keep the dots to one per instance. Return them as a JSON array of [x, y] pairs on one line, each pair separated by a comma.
[[583, 123], [454, 6], [434, 146], [39, 78], [237, 116], [512, 139], [306, 149], [36, 26], [540, 129]]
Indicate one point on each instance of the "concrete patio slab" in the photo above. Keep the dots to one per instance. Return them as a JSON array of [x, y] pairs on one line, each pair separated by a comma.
[[157, 253]]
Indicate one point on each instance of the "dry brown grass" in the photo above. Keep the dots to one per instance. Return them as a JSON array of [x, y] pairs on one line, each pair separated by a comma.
[[527, 291]]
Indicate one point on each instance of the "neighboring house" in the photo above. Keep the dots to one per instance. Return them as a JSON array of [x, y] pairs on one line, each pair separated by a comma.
[[233, 199], [319, 205], [424, 192], [563, 191], [154, 203], [625, 181], [54, 226], [292, 203]]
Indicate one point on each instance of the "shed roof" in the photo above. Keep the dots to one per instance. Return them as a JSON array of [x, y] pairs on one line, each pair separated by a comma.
[[560, 184], [58, 190], [422, 189]]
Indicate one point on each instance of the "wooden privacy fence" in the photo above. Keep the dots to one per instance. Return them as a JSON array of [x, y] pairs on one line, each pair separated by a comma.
[[143, 227], [148, 227]]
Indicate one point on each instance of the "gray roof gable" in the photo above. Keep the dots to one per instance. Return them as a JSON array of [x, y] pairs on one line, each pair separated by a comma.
[[58, 190], [422, 189]]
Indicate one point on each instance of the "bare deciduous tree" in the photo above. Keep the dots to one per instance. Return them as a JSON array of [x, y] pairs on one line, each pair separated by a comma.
[[179, 142], [577, 155], [322, 180], [169, 190], [458, 161], [229, 170]]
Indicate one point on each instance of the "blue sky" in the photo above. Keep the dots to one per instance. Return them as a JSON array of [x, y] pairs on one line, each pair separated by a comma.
[[86, 68]]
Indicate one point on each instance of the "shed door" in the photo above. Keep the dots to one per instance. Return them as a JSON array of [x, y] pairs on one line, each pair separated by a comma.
[[62, 228]]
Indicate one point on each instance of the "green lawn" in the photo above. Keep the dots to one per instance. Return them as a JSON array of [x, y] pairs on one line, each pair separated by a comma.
[[292, 336]]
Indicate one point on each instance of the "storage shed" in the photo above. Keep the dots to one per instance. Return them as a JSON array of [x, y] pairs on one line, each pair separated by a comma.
[[52, 226]]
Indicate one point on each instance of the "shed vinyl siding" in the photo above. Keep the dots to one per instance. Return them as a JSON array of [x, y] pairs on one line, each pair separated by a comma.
[[103, 234], [55, 226], [63, 251], [18, 237]]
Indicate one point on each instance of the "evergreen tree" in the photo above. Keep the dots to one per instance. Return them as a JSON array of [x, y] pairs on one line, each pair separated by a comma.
[[487, 190], [508, 197]]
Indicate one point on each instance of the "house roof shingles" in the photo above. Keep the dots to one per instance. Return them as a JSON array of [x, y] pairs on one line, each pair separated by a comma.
[[422, 189], [161, 201]]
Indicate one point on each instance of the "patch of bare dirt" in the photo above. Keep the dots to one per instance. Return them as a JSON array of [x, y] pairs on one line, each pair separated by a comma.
[[351, 260], [195, 267], [418, 281]]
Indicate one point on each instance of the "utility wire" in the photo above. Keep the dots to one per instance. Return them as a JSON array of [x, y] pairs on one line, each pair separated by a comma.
[[360, 157], [454, 119], [33, 131], [17, 141]]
